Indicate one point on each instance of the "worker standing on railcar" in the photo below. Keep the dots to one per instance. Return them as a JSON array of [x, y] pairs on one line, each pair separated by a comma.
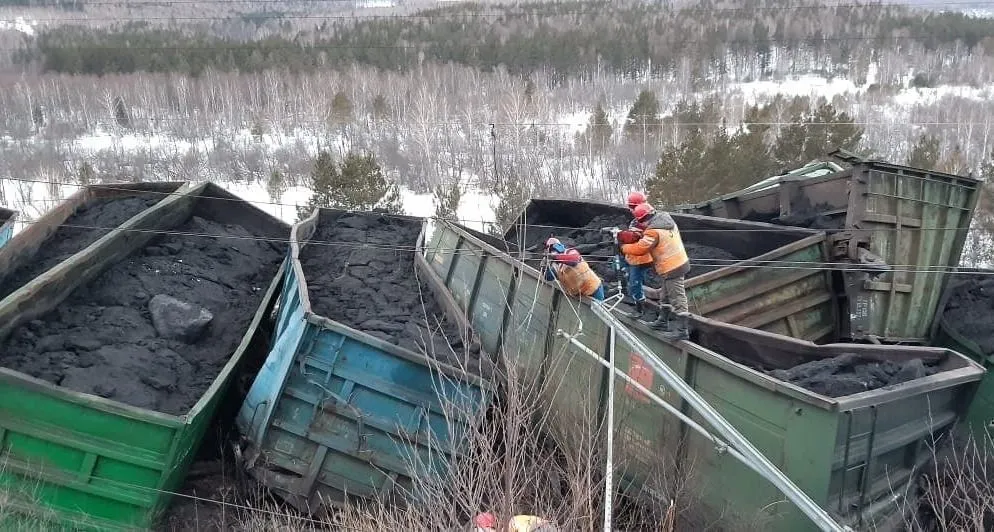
[[573, 272], [661, 247], [634, 200]]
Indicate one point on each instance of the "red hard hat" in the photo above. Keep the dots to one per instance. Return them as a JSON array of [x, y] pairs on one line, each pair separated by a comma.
[[485, 520], [635, 198], [642, 211]]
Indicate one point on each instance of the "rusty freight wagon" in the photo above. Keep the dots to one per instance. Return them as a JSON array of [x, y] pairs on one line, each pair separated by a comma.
[[354, 401], [909, 223], [853, 454], [103, 401]]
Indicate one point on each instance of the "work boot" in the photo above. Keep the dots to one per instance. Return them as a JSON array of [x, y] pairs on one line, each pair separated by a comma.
[[680, 331], [639, 313], [662, 322]]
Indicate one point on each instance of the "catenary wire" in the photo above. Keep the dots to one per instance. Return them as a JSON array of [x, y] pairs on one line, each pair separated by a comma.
[[648, 123], [455, 15], [737, 263], [804, 6], [464, 221]]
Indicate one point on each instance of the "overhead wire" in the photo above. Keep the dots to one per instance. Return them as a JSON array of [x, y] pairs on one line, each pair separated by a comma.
[[250, 45], [407, 248], [122, 187], [499, 12], [485, 123]]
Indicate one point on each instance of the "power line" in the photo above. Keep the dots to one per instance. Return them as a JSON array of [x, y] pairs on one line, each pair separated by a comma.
[[464, 221], [409, 248], [442, 14], [262, 46], [482, 124]]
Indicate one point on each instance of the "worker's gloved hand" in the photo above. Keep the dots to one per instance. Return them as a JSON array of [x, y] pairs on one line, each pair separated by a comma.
[[628, 236]]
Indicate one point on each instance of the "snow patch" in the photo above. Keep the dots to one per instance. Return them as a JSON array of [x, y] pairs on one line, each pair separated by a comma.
[[810, 85], [20, 24]]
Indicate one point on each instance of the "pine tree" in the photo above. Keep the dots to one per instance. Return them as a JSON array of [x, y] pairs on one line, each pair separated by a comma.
[[680, 172], [276, 186], [446, 200], [341, 108], [121, 114], [599, 130], [38, 116], [86, 175], [361, 186], [512, 196], [925, 153], [381, 109], [324, 179], [643, 117], [813, 134]]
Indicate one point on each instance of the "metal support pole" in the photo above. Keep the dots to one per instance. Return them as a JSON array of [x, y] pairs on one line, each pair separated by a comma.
[[744, 450], [609, 467]]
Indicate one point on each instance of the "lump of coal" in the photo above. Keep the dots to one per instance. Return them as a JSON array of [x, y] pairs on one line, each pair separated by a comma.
[[847, 374], [179, 320]]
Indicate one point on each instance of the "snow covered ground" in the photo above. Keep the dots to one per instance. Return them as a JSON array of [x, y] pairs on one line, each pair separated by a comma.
[[576, 174], [27, 27]]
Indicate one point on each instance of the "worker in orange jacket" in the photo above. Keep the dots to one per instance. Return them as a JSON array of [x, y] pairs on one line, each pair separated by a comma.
[[661, 247], [572, 270]]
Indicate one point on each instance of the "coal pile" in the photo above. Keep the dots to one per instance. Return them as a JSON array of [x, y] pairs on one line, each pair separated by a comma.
[[367, 280], [970, 308], [804, 215], [73, 236], [155, 329], [847, 374]]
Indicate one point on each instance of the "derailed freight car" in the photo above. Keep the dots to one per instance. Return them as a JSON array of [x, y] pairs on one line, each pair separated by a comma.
[[854, 455], [337, 412], [74, 224], [775, 282], [7, 219], [98, 460], [913, 220]]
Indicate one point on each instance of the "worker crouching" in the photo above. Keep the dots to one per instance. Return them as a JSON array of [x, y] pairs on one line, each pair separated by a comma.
[[572, 271], [661, 247]]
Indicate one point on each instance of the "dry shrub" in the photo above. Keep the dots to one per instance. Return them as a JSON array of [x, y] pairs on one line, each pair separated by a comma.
[[957, 488]]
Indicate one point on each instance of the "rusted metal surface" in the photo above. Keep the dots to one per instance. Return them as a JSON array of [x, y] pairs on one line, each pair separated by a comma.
[[336, 413]]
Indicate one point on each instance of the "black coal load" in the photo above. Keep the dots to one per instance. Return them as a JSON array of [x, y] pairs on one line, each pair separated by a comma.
[[83, 228], [360, 271], [155, 329], [804, 215], [848, 374], [598, 248], [970, 308]]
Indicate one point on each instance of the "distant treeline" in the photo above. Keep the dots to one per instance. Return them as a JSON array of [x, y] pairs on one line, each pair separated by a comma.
[[69, 5], [568, 39]]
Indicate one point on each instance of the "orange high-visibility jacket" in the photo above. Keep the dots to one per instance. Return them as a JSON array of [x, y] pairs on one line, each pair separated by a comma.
[[577, 280], [660, 244]]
